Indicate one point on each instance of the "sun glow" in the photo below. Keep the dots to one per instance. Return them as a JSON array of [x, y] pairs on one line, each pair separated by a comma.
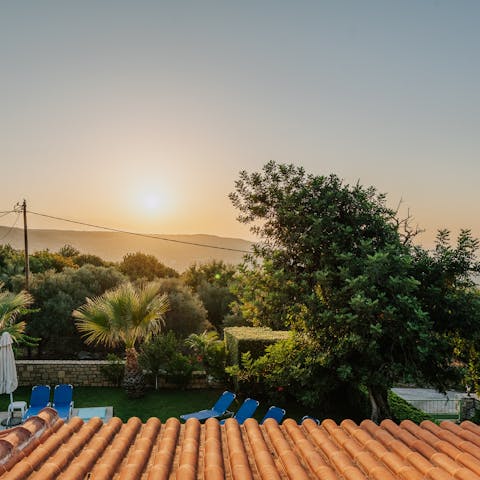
[[150, 204], [152, 201]]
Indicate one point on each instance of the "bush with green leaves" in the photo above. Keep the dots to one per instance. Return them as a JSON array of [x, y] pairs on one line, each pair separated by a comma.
[[247, 377], [155, 354], [141, 266], [179, 369], [211, 281], [402, 410], [56, 295], [187, 314], [288, 371], [210, 351], [114, 370], [165, 355], [250, 339], [12, 264]]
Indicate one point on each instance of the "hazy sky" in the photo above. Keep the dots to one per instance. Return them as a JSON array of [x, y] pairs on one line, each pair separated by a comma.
[[140, 114]]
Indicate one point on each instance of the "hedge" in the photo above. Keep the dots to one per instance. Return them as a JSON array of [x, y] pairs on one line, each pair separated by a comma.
[[402, 410], [239, 340]]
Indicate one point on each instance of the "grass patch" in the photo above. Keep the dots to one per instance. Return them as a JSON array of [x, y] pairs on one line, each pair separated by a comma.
[[162, 403], [172, 403]]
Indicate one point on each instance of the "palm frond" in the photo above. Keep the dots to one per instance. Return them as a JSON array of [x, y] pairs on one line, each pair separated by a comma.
[[123, 315], [12, 305]]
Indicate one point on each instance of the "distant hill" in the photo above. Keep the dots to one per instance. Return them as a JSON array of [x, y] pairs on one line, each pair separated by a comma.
[[113, 246]]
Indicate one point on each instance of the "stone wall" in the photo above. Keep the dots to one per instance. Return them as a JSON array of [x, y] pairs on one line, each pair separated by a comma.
[[81, 373]]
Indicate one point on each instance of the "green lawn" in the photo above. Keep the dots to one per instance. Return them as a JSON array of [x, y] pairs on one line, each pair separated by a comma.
[[162, 404]]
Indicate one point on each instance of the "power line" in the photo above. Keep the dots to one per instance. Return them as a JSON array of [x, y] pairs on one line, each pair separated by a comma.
[[12, 227], [5, 213], [155, 237]]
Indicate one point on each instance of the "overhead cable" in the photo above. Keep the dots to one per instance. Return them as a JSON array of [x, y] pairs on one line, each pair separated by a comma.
[[11, 228], [4, 214], [155, 237]]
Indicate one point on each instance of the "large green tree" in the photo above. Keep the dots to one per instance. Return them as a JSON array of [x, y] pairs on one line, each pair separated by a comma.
[[333, 264], [124, 316], [449, 293], [212, 282], [56, 294], [186, 314], [138, 266], [44, 260]]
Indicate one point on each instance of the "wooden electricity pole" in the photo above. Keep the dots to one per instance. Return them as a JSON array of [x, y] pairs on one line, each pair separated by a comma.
[[25, 237]]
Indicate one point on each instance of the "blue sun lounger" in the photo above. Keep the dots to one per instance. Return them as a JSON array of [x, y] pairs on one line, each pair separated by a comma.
[[308, 417], [39, 399], [219, 409], [276, 413], [63, 400], [245, 411]]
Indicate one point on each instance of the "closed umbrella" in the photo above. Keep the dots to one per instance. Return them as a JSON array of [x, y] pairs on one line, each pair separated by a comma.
[[8, 370]]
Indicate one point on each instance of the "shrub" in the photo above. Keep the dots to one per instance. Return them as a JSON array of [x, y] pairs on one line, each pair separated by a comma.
[[179, 370], [250, 339], [210, 351], [115, 369], [402, 410], [247, 377], [155, 354], [187, 314]]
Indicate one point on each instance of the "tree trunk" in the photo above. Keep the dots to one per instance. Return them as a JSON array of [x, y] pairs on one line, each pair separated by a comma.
[[131, 360], [379, 401], [133, 381]]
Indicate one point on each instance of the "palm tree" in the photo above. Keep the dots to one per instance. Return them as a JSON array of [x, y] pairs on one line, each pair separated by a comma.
[[12, 306], [124, 316]]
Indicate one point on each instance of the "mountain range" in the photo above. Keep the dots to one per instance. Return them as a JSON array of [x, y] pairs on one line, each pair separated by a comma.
[[176, 251]]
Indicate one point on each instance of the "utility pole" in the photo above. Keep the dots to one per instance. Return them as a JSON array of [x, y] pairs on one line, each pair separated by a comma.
[[25, 238]]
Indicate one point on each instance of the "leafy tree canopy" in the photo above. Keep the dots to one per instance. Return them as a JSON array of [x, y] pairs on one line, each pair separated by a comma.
[[12, 263], [215, 272], [57, 295], [212, 282], [142, 266], [89, 259], [125, 316], [44, 260], [69, 251], [186, 314], [333, 264]]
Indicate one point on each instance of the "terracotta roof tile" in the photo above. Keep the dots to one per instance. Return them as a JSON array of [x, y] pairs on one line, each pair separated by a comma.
[[47, 448]]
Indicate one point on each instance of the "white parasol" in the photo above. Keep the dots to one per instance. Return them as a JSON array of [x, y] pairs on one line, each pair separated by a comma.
[[8, 370]]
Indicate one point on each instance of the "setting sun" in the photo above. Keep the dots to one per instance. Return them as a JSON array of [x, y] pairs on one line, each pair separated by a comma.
[[152, 201]]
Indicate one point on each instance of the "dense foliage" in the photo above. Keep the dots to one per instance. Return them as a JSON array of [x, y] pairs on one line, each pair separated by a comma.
[[124, 316], [12, 307], [56, 295], [162, 354], [61, 281], [12, 263], [186, 314], [147, 267], [336, 266], [212, 281], [211, 352]]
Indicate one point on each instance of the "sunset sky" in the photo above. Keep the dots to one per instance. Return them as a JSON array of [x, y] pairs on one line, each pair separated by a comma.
[[139, 114]]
